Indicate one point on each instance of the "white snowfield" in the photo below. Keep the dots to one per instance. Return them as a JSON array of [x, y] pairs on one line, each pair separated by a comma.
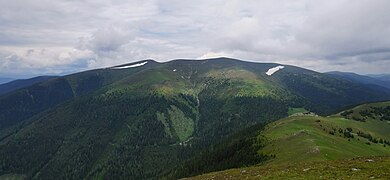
[[131, 66], [273, 70]]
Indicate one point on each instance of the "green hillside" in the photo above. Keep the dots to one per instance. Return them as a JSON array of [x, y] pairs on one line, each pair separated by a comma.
[[356, 168], [142, 122], [320, 93], [303, 138], [310, 146]]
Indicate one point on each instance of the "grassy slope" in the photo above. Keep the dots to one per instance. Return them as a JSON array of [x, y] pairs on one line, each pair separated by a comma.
[[357, 168], [306, 138], [303, 147]]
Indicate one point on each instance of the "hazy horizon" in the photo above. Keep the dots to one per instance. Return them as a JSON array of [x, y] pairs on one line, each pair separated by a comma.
[[27, 76]]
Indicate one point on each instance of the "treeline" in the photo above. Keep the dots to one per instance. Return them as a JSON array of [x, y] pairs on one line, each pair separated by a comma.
[[238, 150], [372, 139], [380, 113], [348, 133]]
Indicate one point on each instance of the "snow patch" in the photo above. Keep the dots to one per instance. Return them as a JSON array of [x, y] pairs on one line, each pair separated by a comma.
[[273, 70], [131, 66]]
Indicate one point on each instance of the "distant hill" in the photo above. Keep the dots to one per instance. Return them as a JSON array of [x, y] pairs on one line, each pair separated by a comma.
[[140, 120], [5, 80], [22, 83], [383, 77], [376, 80]]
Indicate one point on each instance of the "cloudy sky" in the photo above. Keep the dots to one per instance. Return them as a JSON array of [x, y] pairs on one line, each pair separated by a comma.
[[61, 36]]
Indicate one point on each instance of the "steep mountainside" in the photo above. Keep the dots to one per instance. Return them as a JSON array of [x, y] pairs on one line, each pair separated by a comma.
[[19, 105], [307, 145], [140, 120]]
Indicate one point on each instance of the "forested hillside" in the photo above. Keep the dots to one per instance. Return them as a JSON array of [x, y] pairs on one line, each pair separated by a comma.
[[22, 83], [141, 120]]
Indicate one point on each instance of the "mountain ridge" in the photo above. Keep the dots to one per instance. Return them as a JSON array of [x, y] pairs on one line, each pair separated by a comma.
[[4, 80], [22, 83], [151, 117], [370, 80]]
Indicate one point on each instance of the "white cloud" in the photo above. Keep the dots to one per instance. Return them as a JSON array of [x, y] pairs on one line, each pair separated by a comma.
[[321, 35], [16, 61], [106, 40]]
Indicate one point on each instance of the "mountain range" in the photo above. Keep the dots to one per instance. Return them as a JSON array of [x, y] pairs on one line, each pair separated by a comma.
[[148, 119], [5, 80], [383, 77], [374, 80]]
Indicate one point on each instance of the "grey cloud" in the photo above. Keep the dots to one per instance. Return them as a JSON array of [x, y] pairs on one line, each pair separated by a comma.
[[106, 40], [347, 27], [322, 35]]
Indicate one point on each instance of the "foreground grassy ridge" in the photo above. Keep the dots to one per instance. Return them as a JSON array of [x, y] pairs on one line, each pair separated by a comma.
[[355, 168], [310, 137], [314, 147], [307, 138]]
